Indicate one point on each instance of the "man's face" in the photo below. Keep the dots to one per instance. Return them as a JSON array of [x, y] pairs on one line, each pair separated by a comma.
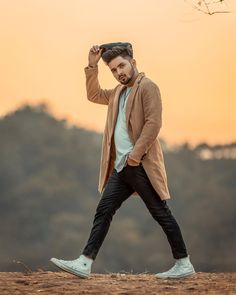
[[122, 69]]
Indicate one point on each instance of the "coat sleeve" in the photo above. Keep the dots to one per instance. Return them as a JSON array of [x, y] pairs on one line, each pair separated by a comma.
[[94, 92], [152, 107]]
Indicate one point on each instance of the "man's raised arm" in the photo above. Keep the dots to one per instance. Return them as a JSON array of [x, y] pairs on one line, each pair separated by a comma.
[[94, 91]]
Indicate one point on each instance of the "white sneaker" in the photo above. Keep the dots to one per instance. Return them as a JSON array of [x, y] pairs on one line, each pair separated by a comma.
[[80, 267], [182, 268]]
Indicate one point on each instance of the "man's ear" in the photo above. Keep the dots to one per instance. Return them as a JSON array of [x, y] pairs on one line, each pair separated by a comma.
[[133, 61]]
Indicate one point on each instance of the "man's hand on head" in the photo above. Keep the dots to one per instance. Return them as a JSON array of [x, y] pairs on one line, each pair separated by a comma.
[[94, 56]]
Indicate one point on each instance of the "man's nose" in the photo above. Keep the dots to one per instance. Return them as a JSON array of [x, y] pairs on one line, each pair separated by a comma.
[[119, 72]]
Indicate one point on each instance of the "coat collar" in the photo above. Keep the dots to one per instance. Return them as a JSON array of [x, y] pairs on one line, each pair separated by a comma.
[[130, 99]]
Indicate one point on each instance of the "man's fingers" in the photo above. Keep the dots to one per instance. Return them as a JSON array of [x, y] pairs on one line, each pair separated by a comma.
[[95, 49]]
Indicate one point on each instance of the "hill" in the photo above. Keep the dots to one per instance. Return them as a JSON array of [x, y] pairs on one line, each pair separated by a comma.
[[48, 196]]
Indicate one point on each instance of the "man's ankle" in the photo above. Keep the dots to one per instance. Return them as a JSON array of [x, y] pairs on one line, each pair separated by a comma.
[[86, 256]]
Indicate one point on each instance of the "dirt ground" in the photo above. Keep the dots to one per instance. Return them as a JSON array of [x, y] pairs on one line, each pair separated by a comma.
[[48, 282]]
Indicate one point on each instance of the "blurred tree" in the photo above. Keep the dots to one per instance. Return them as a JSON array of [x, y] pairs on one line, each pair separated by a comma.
[[48, 195]]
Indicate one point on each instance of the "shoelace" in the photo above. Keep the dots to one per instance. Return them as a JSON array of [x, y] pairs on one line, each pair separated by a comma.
[[176, 266], [173, 268]]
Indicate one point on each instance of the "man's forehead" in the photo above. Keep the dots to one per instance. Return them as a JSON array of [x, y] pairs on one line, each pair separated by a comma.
[[115, 62]]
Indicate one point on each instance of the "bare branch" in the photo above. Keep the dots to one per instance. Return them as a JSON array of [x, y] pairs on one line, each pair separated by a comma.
[[28, 270], [205, 6]]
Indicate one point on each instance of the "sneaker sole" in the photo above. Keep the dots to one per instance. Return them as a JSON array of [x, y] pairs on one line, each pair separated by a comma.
[[176, 277], [66, 268]]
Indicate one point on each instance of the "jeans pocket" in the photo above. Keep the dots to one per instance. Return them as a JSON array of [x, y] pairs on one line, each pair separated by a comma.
[[139, 165]]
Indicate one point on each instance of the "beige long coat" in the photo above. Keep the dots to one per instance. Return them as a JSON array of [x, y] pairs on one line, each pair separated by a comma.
[[144, 120]]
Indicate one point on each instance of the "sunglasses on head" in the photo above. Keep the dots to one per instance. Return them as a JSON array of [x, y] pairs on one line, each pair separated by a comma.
[[108, 46]]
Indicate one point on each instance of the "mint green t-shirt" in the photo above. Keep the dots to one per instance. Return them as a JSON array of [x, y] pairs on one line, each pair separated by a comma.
[[123, 144]]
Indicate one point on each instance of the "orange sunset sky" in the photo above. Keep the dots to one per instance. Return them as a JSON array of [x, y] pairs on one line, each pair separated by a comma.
[[190, 55]]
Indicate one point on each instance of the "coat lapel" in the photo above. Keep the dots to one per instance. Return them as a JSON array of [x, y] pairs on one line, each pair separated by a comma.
[[131, 97]]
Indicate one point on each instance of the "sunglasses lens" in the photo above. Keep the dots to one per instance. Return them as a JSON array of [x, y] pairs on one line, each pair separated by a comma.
[[111, 45]]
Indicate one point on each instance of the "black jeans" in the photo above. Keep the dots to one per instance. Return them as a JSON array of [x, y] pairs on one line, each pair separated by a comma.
[[120, 186]]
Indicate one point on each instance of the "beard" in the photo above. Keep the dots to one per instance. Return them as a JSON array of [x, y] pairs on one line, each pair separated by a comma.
[[126, 79]]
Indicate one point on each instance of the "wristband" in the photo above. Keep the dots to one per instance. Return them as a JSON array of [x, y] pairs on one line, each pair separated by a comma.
[[89, 66]]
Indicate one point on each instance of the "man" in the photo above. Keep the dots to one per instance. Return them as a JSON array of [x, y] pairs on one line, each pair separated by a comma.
[[132, 160]]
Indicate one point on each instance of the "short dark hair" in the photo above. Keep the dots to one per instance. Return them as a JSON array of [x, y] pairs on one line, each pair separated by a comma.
[[125, 52]]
